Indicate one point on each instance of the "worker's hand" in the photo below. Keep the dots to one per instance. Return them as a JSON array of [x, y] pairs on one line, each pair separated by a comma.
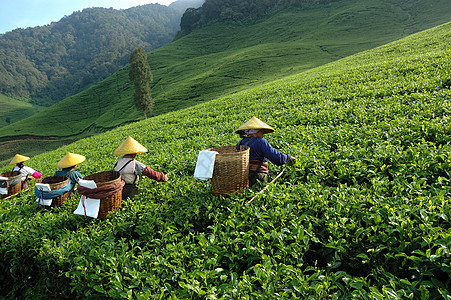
[[165, 178], [292, 161]]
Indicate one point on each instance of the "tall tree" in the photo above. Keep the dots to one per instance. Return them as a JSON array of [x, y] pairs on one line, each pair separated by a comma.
[[141, 77]]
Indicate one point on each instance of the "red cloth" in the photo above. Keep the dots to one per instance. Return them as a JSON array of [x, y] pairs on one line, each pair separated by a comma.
[[152, 174], [102, 191]]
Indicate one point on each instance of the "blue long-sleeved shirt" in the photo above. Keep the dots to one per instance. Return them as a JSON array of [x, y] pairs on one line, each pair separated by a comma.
[[73, 177], [261, 150]]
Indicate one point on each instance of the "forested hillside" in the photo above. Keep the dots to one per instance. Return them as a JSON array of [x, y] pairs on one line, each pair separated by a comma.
[[45, 64], [239, 11]]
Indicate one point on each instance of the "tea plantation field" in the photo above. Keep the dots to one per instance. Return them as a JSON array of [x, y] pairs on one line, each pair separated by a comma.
[[364, 212], [12, 110]]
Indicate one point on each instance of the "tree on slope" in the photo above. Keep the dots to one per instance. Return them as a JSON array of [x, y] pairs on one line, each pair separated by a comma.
[[141, 77]]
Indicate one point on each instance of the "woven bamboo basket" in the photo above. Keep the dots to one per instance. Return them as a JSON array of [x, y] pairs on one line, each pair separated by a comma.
[[56, 182], [231, 170], [113, 201], [13, 177]]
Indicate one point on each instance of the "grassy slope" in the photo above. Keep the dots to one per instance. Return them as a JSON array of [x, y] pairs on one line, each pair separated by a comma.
[[15, 110], [221, 59], [358, 215]]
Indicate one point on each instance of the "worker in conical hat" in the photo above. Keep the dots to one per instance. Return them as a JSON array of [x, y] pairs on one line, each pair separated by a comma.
[[18, 160], [130, 168], [261, 151], [66, 167]]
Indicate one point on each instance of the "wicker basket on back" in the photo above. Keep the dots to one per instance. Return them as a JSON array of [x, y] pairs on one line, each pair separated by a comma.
[[56, 182], [14, 183], [231, 170], [113, 201]]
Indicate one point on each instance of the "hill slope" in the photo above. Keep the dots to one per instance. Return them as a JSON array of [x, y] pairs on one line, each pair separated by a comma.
[[12, 110], [222, 59], [364, 213]]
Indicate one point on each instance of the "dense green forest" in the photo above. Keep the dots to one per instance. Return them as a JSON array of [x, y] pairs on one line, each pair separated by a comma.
[[48, 63]]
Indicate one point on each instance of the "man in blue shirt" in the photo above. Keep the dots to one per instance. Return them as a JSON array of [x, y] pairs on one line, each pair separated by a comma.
[[261, 151]]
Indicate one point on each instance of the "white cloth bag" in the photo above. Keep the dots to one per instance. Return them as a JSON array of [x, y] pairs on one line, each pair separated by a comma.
[[45, 187], [3, 191], [87, 206], [205, 164]]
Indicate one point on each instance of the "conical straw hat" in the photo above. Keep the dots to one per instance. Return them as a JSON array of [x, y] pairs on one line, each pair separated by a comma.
[[255, 123], [130, 146], [70, 160], [18, 158]]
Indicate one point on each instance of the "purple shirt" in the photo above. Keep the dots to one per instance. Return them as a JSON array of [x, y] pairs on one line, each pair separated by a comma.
[[263, 151]]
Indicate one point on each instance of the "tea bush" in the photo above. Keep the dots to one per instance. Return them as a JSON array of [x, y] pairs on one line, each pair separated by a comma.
[[364, 212]]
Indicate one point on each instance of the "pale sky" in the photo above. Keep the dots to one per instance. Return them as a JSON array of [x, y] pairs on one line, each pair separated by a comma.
[[30, 13]]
